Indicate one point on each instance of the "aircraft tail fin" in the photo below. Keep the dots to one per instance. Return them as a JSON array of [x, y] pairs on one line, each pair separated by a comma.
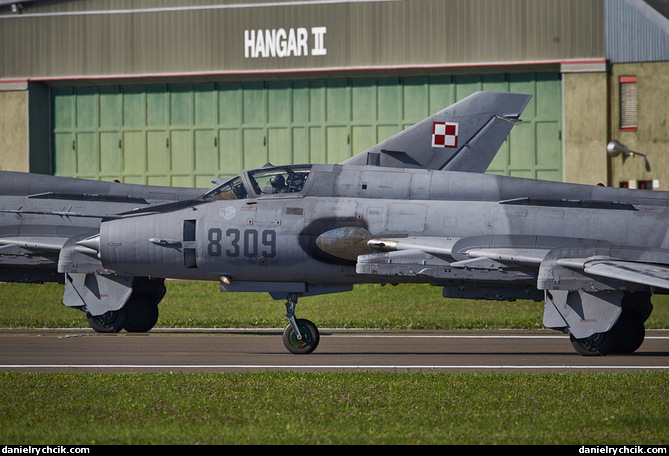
[[466, 136]]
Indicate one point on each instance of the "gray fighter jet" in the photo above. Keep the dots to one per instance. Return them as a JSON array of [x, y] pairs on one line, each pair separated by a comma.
[[42, 216], [417, 208]]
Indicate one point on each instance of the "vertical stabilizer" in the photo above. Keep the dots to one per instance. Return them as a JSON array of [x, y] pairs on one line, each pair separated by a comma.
[[466, 136]]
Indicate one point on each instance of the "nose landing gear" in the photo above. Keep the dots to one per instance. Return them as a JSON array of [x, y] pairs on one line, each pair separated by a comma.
[[300, 336]]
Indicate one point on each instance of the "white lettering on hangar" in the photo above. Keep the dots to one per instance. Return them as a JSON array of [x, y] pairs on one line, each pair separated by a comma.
[[284, 42]]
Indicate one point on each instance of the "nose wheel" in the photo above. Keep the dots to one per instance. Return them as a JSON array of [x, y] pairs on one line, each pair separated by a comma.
[[300, 336]]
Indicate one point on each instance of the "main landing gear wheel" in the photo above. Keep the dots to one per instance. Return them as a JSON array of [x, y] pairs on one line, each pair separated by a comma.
[[626, 336], [597, 344], [630, 332], [301, 336], [109, 322], [142, 313]]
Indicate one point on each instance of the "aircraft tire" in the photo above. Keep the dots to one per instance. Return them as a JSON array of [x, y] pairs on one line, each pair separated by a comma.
[[626, 336], [599, 344], [310, 338], [109, 322], [142, 313], [630, 332]]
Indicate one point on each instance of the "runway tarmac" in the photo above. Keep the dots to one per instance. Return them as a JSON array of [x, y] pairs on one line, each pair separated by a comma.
[[221, 350]]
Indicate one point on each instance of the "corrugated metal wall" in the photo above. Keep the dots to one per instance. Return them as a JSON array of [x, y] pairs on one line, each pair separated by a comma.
[[635, 32], [187, 134], [109, 38]]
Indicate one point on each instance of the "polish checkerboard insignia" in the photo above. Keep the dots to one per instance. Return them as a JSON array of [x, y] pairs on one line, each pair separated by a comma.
[[444, 134]]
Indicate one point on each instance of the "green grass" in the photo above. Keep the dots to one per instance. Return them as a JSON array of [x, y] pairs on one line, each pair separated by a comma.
[[200, 304], [334, 408], [325, 408]]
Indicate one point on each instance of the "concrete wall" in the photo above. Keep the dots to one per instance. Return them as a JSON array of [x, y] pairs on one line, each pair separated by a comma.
[[25, 128], [14, 127], [592, 119], [585, 127], [652, 133]]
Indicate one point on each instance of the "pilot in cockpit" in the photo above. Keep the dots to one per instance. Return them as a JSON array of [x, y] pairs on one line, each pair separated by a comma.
[[278, 183]]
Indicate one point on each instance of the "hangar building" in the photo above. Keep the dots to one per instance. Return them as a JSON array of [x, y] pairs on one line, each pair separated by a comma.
[[178, 92]]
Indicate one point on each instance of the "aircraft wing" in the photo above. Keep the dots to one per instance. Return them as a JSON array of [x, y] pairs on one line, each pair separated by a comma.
[[543, 262], [634, 270], [654, 275], [30, 258], [466, 136]]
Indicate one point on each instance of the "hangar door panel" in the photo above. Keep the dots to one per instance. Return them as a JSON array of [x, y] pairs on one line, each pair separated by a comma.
[[534, 147], [188, 134]]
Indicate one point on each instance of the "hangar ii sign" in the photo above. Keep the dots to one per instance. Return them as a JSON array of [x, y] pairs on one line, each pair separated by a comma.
[[282, 42]]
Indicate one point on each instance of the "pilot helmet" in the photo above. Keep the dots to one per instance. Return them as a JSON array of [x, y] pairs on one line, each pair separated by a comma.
[[277, 181]]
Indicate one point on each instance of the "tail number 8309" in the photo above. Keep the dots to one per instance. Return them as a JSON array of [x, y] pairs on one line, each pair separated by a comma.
[[249, 243]]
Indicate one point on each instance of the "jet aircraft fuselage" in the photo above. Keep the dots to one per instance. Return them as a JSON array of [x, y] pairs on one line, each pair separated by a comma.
[[331, 231]]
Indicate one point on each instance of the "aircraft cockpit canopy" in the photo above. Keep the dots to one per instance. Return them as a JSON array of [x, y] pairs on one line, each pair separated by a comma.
[[229, 190], [268, 180], [284, 179]]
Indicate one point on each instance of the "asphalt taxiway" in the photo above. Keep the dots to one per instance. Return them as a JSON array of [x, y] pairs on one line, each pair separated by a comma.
[[239, 350]]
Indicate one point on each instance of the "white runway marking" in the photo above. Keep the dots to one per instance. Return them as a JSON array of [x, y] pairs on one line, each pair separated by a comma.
[[433, 336]]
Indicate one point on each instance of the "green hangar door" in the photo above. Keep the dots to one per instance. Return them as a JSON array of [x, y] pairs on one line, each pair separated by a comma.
[[187, 134]]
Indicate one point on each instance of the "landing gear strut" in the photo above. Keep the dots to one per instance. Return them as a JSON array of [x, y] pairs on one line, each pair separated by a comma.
[[300, 336]]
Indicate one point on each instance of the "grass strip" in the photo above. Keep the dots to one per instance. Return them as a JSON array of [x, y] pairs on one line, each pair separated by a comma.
[[335, 408], [200, 304]]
